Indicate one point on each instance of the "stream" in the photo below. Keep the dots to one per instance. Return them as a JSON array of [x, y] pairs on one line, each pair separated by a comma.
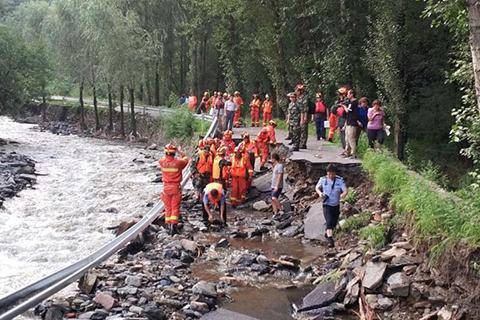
[[86, 186]]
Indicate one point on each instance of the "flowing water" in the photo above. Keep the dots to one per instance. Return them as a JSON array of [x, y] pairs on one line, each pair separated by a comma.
[[65, 217]]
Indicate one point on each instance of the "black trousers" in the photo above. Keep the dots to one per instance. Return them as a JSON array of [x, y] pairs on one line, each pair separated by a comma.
[[331, 214]]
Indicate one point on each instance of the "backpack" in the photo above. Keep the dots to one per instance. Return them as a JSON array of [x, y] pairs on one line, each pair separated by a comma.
[[311, 106]]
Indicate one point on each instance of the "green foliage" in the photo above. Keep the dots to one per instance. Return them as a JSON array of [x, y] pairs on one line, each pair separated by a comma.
[[351, 197], [173, 100], [356, 222], [180, 124], [438, 216], [375, 235]]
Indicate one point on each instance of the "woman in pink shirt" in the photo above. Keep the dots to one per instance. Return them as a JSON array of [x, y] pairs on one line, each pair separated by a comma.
[[376, 123]]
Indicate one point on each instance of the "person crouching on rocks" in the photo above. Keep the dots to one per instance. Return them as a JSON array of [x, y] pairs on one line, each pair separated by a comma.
[[171, 195], [213, 199], [331, 188]]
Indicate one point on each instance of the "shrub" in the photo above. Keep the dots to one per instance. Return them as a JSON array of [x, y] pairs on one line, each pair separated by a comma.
[[180, 124], [351, 197], [375, 235], [355, 222]]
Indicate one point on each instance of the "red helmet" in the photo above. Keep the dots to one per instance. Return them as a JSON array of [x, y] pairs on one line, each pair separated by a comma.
[[228, 133], [170, 148], [201, 143]]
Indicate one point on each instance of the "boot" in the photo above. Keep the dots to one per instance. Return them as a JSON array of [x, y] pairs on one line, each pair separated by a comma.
[[330, 241]]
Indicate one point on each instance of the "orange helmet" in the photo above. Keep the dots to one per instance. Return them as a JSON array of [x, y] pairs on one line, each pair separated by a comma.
[[209, 141], [272, 123], [228, 133], [170, 148], [221, 151], [201, 143]]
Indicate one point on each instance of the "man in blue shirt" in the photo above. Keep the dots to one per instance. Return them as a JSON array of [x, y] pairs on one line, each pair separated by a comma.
[[331, 189]]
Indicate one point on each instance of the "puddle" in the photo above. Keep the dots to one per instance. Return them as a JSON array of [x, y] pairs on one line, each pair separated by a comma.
[[267, 303]]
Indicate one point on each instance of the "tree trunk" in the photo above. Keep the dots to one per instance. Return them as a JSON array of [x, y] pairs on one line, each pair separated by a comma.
[[95, 108], [110, 110], [82, 107], [122, 114], [148, 85], [474, 26], [157, 85], [133, 123]]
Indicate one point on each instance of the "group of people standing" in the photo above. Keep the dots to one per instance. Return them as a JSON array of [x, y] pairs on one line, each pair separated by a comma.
[[228, 108], [347, 115]]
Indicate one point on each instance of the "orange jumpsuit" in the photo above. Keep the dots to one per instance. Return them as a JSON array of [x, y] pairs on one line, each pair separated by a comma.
[[241, 171], [271, 134], [172, 194], [250, 152], [220, 170], [238, 112], [262, 145], [229, 145], [255, 112], [267, 111]]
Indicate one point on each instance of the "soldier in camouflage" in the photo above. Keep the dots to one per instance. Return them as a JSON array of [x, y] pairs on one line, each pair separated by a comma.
[[294, 113], [302, 100]]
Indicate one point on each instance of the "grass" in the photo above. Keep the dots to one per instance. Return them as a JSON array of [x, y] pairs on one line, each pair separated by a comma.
[[439, 218], [375, 235], [351, 197], [355, 222]]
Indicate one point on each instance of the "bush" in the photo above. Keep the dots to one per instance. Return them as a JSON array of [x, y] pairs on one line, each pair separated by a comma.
[[173, 101], [351, 197], [375, 235], [180, 124]]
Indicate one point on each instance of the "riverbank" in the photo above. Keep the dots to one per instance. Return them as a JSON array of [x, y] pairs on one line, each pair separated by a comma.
[[376, 268], [17, 172]]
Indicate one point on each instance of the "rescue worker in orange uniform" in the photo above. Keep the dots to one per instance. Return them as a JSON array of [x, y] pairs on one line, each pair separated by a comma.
[[214, 198], [171, 195], [249, 148], [262, 141], [202, 165], [228, 143], [240, 171], [255, 110], [271, 132], [267, 107], [220, 170], [237, 118]]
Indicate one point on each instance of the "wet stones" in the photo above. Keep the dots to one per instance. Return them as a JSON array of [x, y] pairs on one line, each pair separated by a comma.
[[17, 172], [261, 206], [398, 284], [205, 288]]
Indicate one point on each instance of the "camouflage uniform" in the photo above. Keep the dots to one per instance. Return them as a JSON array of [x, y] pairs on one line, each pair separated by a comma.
[[294, 123], [303, 103]]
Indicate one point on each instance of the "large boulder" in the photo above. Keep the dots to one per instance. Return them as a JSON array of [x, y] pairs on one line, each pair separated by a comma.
[[314, 223], [323, 295], [374, 272], [398, 284], [205, 288]]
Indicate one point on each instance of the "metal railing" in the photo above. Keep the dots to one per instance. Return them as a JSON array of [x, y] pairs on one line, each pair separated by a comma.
[[28, 297]]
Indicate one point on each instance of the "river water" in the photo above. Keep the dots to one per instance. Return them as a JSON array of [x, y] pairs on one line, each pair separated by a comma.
[[65, 217]]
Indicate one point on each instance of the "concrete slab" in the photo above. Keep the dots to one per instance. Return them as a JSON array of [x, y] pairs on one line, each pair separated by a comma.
[[314, 223], [224, 314]]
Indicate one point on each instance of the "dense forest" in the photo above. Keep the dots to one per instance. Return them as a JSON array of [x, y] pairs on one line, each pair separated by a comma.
[[413, 55]]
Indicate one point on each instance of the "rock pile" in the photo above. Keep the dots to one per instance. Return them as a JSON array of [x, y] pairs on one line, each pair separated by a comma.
[[380, 282], [16, 173]]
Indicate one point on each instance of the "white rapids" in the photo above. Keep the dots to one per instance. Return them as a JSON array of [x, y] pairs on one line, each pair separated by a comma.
[[65, 218]]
